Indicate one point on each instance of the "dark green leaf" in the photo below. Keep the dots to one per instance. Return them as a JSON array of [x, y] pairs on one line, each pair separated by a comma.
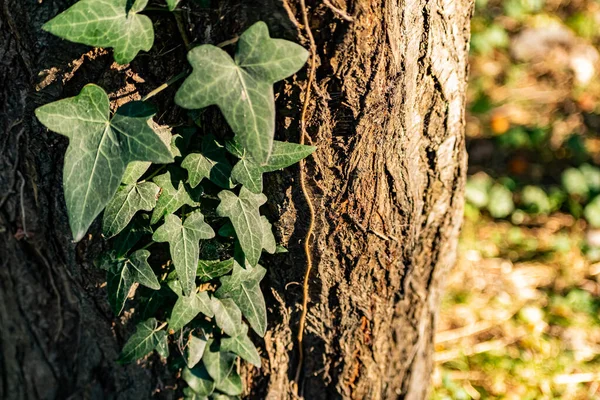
[[208, 270], [210, 164], [141, 270], [170, 199], [243, 89], [227, 315], [187, 308], [195, 349], [242, 346], [243, 212], [232, 385], [146, 338], [243, 287], [119, 280], [127, 201], [131, 235], [199, 380], [184, 245], [218, 364], [106, 23], [99, 149]]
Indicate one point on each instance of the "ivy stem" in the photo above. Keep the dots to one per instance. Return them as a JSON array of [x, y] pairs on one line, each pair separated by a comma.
[[228, 42], [165, 85], [156, 172], [148, 245], [163, 9], [182, 32], [161, 326]]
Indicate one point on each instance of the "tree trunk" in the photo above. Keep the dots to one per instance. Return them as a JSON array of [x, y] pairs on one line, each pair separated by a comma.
[[387, 115]]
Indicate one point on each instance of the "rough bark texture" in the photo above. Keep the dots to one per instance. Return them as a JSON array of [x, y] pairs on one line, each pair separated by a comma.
[[387, 113]]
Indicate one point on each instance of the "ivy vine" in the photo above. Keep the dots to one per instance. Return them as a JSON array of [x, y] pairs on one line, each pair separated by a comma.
[[199, 195]]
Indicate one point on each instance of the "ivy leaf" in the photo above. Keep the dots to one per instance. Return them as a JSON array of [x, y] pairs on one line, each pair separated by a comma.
[[123, 273], [99, 149], [172, 4], [199, 380], [243, 212], [243, 88], [136, 169], [218, 363], [141, 270], [184, 245], [162, 348], [189, 394], [242, 346], [227, 315], [232, 385], [131, 235], [106, 23], [243, 287], [128, 200], [210, 164], [249, 172], [195, 349], [187, 308], [208, 270], [268, 242], [170, 199], [146, 338], [119, 280]]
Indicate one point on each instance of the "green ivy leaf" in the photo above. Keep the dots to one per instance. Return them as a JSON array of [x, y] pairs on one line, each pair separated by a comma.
[[184, 245], [106, 23], [208, 270], [218, 363], [249, 172], [210, 164], [199, 380], [187, 308], [243, 287], [147, 337], [99, 149], [172, 4], [170, 199], [242, 346], [131, 235], [128, 200], [123, 273], [141, 270], [119, 280], [243, 212], [227, 315], [243, 88], [162, 348], [268, 242], [195, 349], [136, 169], [232, 385], [189, 394]]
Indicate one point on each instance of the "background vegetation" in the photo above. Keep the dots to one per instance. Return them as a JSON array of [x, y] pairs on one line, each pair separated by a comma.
[[520, 317]]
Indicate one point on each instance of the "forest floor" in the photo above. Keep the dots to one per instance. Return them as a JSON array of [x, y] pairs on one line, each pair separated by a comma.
[[521, 315]]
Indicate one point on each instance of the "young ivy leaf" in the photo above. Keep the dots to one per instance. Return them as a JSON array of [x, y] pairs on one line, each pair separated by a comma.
[[106, 23], [172, 4], [199, 380], [243, 213], [99, 149], [218, 363], [249, 172], [210, 163], [195, 349], [243, 287], [243, 88], [208, 270], [232, 385], [184, 245], [147, 337], [227, 315], [170, 199], [128, 200], [242, 346], [187, 308], [124, 273]]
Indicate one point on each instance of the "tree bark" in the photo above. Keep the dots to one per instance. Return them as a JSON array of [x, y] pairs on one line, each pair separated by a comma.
[[387, 115]]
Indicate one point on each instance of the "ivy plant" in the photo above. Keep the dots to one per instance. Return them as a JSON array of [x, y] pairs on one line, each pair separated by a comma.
[[182, 212]]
